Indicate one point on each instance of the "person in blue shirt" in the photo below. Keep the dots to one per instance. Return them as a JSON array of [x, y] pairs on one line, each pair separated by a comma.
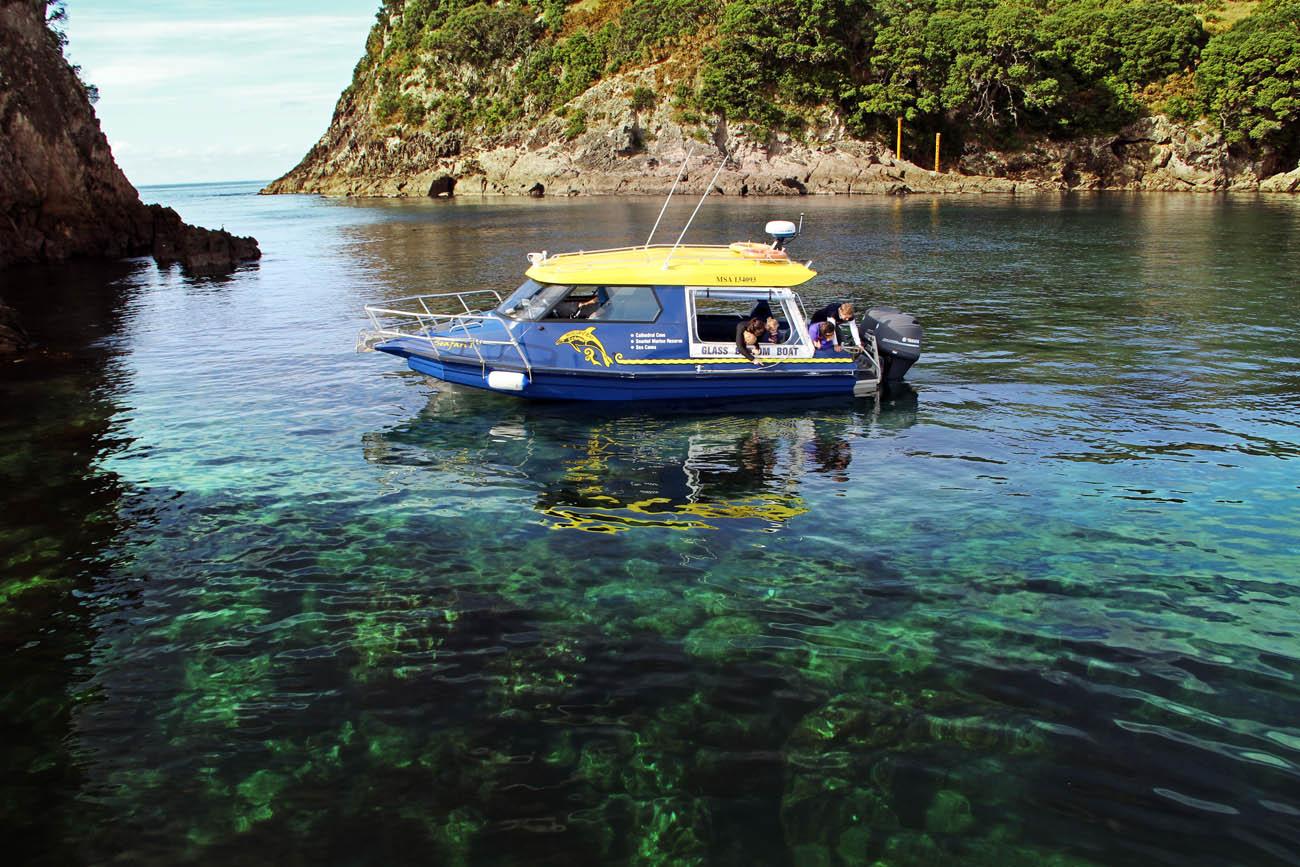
[[591, 305], [822, 335]]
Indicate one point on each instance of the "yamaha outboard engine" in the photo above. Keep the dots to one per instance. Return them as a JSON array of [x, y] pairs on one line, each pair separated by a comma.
[[898, 340]]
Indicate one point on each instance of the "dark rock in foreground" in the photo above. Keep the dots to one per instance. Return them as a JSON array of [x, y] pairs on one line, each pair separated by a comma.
[[62, 194], [12, 337]]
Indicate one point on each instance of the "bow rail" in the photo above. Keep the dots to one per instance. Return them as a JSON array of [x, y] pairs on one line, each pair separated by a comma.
[[419, 317]]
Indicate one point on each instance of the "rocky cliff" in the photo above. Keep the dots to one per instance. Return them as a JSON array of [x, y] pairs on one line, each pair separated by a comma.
[[452, 98], [61, 193], [627, 151], [621, 150]]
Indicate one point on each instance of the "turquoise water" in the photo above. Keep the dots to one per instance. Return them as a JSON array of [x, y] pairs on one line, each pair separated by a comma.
[[264, 599]]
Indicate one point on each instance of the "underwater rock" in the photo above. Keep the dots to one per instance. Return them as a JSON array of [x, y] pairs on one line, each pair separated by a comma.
[[721, 637], [817, 810], [949, 813], [12, 336]]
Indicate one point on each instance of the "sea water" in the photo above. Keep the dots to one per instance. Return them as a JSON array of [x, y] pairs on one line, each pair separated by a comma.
[[263, 599]]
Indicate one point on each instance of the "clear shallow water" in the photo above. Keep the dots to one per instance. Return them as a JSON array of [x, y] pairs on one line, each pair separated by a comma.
[[264, 599]]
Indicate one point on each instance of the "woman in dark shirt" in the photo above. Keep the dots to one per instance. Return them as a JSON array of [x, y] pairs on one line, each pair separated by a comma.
[[836, 313], [748, 335]]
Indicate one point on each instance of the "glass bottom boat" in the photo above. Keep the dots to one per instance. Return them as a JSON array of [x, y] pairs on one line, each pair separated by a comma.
[[645, 323]]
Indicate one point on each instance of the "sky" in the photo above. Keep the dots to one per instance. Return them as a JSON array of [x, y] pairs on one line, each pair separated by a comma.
[[215, 90]]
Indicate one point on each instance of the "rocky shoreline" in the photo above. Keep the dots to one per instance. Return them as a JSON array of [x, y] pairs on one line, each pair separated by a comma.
[[626, 151], [62, 195]]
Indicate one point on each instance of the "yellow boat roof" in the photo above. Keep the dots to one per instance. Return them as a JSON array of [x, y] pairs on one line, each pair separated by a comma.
[[687, 266]]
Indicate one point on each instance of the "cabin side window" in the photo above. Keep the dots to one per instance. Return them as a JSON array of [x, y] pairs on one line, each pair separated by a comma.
[[604, 303], [716, 318]]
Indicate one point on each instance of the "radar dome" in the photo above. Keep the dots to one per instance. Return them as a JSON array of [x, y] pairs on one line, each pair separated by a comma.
[[781, 230]]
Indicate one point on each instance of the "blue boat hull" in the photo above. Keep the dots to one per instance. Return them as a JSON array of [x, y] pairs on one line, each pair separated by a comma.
[[565, 385]]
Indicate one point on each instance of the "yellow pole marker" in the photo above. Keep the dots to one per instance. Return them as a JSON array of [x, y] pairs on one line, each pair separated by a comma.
[[898, 148], [936, 153]]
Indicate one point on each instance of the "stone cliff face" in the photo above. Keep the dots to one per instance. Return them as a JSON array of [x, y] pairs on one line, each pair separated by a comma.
[[1152, 154], [61, 193], [622, 150], [627, 151]]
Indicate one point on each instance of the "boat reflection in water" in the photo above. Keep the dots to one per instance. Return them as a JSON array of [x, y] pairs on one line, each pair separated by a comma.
[[609, 474]]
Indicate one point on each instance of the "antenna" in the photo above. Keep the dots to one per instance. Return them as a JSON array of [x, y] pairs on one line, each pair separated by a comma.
[[700, 204], [680, 172]]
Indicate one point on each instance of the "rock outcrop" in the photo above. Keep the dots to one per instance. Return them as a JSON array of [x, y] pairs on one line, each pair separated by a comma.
[[1286, 182], [61, 193], [1152, 154], [198, 250], [623, 150]]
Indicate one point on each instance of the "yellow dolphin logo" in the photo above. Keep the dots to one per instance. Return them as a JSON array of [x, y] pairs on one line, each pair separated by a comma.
[[585, 341]]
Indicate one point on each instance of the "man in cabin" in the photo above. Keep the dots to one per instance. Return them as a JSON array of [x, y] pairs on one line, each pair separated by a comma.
[[589, 306], [748, 333]]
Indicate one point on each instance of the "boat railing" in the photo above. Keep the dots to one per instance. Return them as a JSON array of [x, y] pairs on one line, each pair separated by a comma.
[[715, 253], [866, 354], [419, 317]]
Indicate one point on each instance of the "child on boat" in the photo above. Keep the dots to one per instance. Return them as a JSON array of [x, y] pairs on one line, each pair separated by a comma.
[[822, 335]]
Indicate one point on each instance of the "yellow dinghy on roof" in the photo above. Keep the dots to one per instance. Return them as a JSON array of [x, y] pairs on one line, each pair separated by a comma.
[[663, 264]]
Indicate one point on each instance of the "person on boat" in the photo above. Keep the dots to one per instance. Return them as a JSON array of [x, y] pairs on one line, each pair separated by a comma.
[[593, 303], [771, 331], [747, 338], [836, 313], [822, 335]]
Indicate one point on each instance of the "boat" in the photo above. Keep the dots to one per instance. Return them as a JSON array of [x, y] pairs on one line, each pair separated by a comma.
[[653, 322]]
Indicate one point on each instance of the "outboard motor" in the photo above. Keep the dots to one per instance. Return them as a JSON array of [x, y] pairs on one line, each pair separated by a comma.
[[898, 340]]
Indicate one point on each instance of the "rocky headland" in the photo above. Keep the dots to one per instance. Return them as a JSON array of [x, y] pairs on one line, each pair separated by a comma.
[[628, 152], [62, 194], [428, 116]]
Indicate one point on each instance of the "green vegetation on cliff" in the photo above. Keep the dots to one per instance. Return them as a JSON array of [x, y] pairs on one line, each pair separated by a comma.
[[1249, 76], [984, 70]]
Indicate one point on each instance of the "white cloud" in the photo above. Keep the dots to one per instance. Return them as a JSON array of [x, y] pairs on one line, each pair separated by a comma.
[[220, 87], [128, 75], [107, 27]]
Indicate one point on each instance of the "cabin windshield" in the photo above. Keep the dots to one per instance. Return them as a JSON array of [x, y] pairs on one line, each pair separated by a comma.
[[532, 300]]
